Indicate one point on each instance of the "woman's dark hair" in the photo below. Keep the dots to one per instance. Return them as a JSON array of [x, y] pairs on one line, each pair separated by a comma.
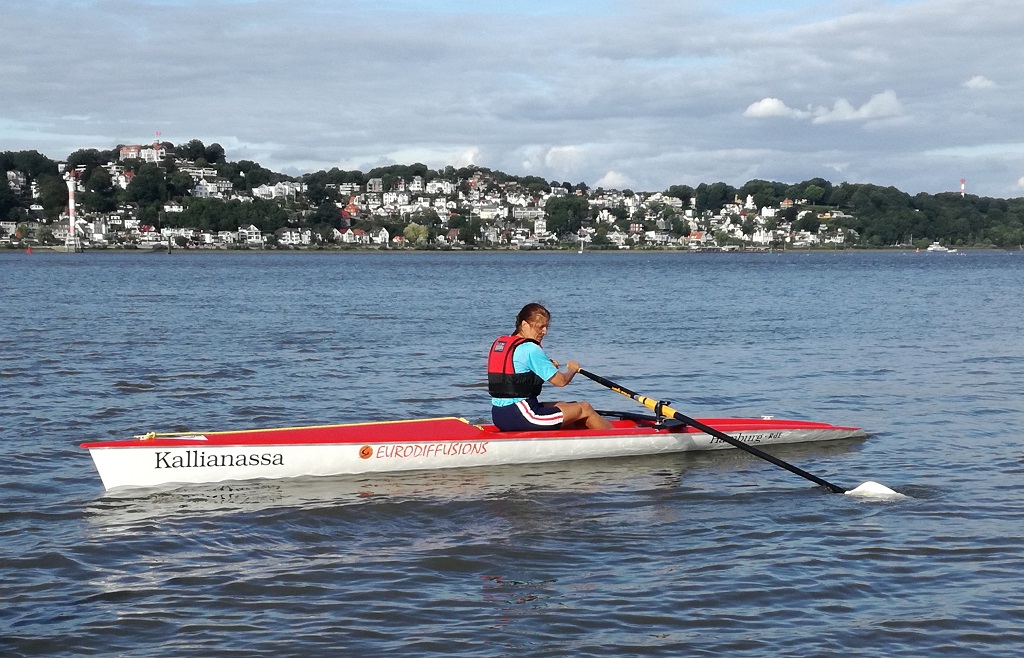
[[531, 311]]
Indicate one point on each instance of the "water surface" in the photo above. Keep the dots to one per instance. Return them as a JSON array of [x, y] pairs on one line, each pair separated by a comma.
[[704, 554]]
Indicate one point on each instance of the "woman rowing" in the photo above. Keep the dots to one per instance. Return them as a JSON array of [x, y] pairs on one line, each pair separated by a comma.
[[517, 369]]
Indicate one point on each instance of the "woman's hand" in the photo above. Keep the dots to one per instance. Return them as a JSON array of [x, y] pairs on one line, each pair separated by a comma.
[[563, 378]]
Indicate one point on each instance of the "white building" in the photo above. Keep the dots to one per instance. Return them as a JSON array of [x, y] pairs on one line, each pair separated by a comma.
[[205, 189], [295, 236], [198, 173], [354, 236], [154, 154], [437, 186], [250, 236], [281, 190]]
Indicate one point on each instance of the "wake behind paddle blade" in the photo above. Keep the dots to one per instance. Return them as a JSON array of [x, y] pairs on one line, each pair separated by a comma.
[[874, 490]]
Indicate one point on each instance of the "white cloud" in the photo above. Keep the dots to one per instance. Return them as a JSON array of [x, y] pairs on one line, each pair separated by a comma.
[[466, 157], [438, 156], [626, 94], [564, 158], [885, 105], [881, 106], [771, 107], [615, 181], [979, 82], [1004, 150]]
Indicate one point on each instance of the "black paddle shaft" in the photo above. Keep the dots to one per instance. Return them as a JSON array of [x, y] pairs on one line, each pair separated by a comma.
[[662, 408]]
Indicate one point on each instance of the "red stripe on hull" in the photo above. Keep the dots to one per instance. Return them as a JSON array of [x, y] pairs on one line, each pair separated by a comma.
[[437, 429]]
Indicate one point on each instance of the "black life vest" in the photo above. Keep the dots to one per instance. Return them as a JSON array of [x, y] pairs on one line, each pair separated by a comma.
[[502, 379]]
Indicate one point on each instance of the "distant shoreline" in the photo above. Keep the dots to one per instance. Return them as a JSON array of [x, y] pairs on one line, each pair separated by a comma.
[[372, 250]]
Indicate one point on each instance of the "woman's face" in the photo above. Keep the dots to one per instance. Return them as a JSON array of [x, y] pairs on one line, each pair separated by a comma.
[[535, 328]]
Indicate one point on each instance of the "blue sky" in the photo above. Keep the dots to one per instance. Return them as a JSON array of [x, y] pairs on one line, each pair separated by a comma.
[[640, 94]]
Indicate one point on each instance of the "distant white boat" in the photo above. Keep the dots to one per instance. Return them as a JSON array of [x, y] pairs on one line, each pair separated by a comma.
[[935, 246]]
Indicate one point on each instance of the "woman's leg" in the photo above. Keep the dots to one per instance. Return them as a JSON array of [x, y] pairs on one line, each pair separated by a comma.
[[581, 414]]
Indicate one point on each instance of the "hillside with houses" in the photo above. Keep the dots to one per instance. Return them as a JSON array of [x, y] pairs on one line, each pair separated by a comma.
[[191, 196]]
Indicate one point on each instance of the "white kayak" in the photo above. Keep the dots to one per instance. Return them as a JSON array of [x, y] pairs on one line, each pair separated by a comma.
[[155, 459]]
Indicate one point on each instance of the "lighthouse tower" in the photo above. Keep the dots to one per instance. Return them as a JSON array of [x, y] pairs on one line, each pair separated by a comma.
[[963, 183], [71, 243]]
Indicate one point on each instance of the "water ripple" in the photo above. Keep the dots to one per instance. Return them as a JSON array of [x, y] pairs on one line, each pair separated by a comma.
[[704, 554]]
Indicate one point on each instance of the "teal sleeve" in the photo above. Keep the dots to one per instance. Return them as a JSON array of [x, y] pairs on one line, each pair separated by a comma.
[[535, 360]]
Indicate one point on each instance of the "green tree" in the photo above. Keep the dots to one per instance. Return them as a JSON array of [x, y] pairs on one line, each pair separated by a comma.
[[620, 214], [682, 192], [427, 217], [317, 192], [765, 193], [714, 197], [814, 194], [256, 175], [151, 214], [33, 164], [179, 184], [53, 195], [416, 233], [535, 185], [214, 154], [566, 214], [148, 186], [192, 150], [327, 213], [748, 227], [100, 193], [809, 222], [472, 232], [8, 201], [90, 159]]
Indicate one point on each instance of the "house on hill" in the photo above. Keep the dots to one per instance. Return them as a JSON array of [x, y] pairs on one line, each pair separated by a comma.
[[130, 152], [250, 236], [294, 237], [451, 237], [355, 236]]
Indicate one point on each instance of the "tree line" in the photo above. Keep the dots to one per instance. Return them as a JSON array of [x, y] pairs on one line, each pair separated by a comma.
[[881, 216]]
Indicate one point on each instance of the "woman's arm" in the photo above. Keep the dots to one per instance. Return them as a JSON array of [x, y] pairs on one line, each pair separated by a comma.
[[563, 378]]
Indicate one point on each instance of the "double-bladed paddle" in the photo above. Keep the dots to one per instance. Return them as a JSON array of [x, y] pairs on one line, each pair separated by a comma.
[[867, 489]]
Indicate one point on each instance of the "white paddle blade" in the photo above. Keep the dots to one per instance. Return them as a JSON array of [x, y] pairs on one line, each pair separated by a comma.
[[874, 490]]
